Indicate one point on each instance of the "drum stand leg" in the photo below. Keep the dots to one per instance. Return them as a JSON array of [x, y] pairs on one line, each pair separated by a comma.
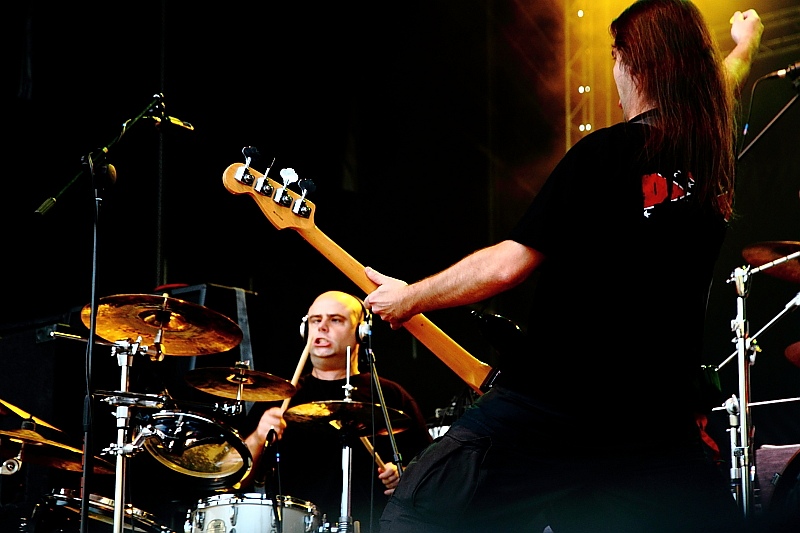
[[124, 351], [345, 519], [739, 409], [346, 524]]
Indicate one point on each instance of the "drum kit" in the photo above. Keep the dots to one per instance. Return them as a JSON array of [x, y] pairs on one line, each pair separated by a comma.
[[191, 442]]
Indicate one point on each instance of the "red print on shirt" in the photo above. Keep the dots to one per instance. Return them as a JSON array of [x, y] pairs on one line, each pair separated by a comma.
[[655, 190]]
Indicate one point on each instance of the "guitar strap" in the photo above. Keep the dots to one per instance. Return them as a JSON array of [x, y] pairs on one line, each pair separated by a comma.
[[245, 348]]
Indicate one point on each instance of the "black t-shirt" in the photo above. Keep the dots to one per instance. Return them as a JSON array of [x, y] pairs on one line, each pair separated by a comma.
[[309, 457], [617, 315]]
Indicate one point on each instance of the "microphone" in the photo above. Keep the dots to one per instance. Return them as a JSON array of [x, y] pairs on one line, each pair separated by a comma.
[[172, 120], [791, 72]]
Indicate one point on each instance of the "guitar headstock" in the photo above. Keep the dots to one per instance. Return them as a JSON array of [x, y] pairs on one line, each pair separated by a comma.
[[283, 207]]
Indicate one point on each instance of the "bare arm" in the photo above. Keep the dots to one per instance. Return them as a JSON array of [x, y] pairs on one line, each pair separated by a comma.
[[746, 30], [480, 275]]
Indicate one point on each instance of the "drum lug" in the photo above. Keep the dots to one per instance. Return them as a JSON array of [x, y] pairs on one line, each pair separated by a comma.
[[234, 515]]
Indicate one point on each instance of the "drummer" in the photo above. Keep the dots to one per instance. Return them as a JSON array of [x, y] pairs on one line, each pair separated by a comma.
[[304, 460]]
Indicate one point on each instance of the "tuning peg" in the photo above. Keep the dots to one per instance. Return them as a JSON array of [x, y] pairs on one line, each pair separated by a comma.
[[300, 206], [306, 186], [250, 153], [289, 176]]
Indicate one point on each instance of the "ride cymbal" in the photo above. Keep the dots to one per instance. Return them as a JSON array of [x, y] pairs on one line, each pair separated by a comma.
[[38, 450], [240, 383], [785, 267], [182, 327], [355, 416]]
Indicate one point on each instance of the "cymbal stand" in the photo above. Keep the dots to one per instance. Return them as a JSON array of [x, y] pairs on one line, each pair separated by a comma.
[[124, 351], [741, 432], [345, 518], [739, 408]]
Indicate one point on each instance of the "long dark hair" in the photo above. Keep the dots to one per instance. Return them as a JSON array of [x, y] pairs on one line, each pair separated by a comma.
[[677, 65]]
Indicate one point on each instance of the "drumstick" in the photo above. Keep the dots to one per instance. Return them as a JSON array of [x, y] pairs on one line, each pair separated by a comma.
[[367, 444], [371, 450], [299, 370]]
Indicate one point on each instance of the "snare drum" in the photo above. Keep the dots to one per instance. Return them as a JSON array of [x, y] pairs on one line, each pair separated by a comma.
[[252, 513], [60, 512], [198, 446]]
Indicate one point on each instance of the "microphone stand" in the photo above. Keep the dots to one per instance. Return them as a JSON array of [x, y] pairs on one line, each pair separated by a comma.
[[796, 84], [396, 457], [101, 174]]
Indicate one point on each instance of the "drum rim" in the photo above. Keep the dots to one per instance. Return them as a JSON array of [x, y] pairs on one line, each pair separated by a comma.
[[254, 498], [103, 506], [232, 437]]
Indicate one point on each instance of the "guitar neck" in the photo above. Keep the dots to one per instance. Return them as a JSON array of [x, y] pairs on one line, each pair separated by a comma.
[[473, 371]]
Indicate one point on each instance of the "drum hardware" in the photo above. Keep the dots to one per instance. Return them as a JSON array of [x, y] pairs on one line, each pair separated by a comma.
[[766, 257], [132, 399]]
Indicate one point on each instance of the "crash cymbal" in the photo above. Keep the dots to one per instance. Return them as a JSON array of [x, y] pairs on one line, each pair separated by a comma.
[[28, 416], [763, 253], [185, 328], [792, 353], [38, 450], [240, 384], [352, 415]]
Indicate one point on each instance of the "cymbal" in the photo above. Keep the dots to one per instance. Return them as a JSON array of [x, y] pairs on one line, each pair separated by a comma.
[[186, 328], [240, 383], [792, 353], [38, 450], [28, 416], [762, 253], [357, 416]]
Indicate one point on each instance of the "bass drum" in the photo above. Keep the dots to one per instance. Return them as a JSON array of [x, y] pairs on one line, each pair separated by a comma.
[[60, 512], [252, 513], [198, 446]]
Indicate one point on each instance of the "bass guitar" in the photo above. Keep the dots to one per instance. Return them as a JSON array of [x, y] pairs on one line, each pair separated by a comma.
[[286, 208]]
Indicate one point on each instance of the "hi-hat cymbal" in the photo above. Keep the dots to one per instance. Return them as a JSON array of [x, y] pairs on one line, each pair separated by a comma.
[[185, 328], [763, 253], [240, 383], [28, 416], [38, 450], [352, 415]]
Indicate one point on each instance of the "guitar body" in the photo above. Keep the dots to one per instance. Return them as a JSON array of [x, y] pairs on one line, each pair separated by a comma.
[[288, 209]]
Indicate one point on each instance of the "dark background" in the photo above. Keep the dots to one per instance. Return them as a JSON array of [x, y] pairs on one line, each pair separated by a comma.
[[426, 126]]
